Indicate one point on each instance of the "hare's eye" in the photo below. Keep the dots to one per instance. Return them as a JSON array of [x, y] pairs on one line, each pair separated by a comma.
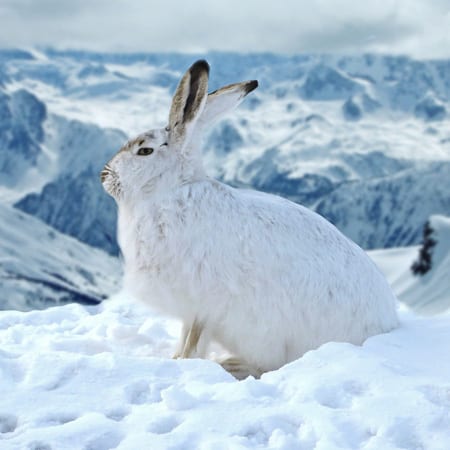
[[144, 151]]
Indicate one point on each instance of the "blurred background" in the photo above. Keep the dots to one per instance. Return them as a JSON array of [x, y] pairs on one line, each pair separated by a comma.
[[351, 119]]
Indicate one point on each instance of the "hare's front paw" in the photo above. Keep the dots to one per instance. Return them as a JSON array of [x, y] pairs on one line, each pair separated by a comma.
[[188, 346]]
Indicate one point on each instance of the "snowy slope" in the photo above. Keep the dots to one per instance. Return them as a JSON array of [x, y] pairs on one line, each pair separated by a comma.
[[40, 267], [76, 377], [50, 166], [429, 293]]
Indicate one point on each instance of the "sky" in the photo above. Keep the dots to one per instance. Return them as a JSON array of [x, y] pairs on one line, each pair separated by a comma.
[[419, 28]]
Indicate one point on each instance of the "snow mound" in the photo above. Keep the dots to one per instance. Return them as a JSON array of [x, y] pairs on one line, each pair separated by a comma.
[[79, 377]]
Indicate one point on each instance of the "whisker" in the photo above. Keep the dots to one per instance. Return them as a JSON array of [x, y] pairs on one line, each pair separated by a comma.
[[105, 172]]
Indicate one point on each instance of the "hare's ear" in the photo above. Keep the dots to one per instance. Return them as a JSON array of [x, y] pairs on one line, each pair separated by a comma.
[[188, 103], [224, 100]]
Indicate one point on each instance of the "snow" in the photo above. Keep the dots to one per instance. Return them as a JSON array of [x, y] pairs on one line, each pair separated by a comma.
[[100, 377]]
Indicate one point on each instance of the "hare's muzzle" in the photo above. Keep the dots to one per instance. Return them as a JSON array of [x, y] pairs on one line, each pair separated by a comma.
[[105, 173]]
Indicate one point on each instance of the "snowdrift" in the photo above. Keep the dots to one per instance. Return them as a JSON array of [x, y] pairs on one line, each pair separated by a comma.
[[100, 377]]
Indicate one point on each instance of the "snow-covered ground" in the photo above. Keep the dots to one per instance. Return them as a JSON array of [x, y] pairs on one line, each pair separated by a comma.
[[101, 377]]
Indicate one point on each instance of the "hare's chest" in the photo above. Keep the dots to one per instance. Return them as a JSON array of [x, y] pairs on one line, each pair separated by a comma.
[[151, 262], [143, 240]]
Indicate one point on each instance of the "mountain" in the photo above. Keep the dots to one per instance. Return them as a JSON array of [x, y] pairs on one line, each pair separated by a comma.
[[73, 200], [389, 211], [21, 132]]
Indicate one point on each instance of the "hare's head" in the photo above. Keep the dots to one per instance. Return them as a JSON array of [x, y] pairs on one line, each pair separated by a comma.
[[161, 159]]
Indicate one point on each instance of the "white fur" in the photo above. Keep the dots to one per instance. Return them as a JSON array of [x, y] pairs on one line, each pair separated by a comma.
[[266, 278]]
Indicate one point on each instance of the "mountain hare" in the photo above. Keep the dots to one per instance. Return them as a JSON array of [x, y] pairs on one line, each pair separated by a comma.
[[264, 277]]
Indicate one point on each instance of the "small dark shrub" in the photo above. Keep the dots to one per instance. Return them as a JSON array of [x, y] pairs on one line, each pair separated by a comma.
[[424, 262]]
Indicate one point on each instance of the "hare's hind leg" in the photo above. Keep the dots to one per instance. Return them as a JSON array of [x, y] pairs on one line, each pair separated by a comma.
[[189, 345], [239, 368]]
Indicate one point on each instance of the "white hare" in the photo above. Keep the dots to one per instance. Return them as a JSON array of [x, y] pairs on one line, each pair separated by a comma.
[[264, 277]]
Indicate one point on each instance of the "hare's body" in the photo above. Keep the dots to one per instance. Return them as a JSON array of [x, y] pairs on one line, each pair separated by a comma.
[[264, 277], [282, 282]]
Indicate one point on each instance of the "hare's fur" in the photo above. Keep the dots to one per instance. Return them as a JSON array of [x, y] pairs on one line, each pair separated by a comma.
[[264, 277]]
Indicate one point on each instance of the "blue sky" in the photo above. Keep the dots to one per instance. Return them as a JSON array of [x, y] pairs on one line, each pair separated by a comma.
[[415, 27]]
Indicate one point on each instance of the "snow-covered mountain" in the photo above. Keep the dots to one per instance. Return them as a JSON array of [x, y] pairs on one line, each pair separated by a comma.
[[21, 134], [73, 200], [365, 140], [318, 128], [388, 211]]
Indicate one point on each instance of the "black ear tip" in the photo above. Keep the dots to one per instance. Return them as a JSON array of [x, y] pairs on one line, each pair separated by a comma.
[[199, 66], [251, 86]]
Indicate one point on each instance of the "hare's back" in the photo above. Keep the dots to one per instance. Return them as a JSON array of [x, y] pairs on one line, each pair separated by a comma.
[[254, 235], [298, 242], [283, 220], [300, 273]]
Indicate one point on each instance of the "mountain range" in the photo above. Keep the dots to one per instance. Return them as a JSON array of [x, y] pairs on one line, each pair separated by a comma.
[[364, 140]]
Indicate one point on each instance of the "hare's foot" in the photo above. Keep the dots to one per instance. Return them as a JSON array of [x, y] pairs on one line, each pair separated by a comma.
[[189, 346], [239, 368]]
